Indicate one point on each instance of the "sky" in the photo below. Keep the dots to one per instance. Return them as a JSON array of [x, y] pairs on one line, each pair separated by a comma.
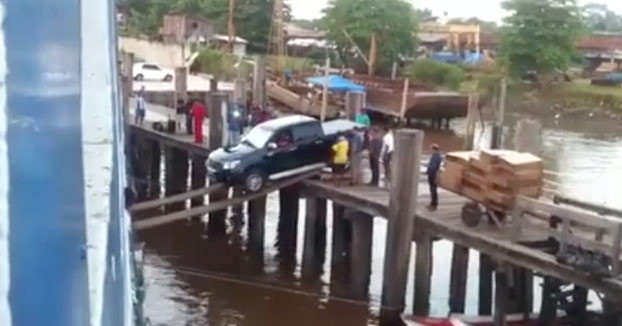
[[483, 9]]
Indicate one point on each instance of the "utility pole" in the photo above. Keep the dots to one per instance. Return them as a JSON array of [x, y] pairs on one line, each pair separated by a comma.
[[231, 26], [276, 45]]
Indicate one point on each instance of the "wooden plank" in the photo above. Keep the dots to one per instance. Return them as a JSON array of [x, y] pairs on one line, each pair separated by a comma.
[[176, 198], [574, 215], [198, 211]]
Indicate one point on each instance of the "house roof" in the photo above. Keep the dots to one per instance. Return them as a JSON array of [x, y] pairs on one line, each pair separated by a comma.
[[606, 42], [225, 38], [296, 32]]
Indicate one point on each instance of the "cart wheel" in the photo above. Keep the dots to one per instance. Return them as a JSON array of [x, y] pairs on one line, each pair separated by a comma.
[[471, 214]]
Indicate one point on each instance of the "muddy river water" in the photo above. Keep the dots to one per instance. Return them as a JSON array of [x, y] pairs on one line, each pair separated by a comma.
[[193, 279]]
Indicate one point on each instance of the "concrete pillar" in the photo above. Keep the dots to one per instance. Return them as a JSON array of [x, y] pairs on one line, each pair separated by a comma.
[[315, 238], [458, 282], [485, 284], [360, 254], [402, 210], [423, 274], [528, 136]]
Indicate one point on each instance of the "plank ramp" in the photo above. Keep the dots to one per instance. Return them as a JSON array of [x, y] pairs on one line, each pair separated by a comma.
[[446, 223]]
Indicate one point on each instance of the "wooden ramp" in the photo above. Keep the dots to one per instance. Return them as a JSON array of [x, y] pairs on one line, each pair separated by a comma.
[[446, 223], [295, 102]]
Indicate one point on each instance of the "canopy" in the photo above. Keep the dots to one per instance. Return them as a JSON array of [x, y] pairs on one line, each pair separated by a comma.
[[337, 84]]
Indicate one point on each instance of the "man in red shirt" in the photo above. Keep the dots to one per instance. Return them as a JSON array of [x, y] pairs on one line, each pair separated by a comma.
[[198, 114]]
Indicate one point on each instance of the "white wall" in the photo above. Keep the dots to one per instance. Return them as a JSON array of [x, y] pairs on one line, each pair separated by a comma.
[[165, 54]]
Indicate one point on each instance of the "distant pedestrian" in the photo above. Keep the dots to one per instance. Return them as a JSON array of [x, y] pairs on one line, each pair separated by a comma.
[[375, 151], [340, 159], [387, 155], [363, 118], [141, 108], [356, 142], [234, 125], [434, 166], [198, 115], [188, 110]]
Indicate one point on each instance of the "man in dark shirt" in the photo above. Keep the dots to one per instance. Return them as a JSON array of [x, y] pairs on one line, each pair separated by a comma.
[[434, 166], [375, 150]]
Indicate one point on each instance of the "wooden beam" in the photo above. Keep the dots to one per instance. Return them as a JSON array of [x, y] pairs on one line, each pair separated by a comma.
[[458, 280], [198, 211], [404, 106], [423, 274], [325, 90], [176, 198], [402, 208]]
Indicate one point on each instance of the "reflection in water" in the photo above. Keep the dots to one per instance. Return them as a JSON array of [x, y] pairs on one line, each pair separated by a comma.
[[194, 279]]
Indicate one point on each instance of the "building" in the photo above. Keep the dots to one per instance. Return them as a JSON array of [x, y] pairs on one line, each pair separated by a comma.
[[221, 42], [601, 46], [451, 37], [182, 29]]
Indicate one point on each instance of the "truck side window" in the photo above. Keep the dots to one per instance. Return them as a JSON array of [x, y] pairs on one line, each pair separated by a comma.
[[283, 139], [307, 132]]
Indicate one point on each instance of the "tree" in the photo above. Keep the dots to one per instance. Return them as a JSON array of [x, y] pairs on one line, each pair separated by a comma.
[[540, 35], [391, 21], [599, 17]]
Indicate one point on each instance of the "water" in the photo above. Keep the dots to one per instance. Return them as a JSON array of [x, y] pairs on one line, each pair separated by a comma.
[[196, 280]]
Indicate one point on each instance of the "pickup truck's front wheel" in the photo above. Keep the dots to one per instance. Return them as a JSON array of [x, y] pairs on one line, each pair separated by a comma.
[[254, 180]]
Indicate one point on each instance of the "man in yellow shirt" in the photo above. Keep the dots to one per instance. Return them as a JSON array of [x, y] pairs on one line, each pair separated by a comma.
[[340, 158]]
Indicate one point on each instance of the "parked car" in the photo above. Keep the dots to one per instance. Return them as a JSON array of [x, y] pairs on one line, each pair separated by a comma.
[[277, 149], [150, 71]]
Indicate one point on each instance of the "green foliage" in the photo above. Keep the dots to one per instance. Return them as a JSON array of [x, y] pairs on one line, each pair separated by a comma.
[[252, 17], [393, 22], [218, 63], [599, 17], [540, 35], [437, 73], [279, 65]]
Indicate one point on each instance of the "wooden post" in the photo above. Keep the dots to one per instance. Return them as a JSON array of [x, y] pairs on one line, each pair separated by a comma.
[[423, 274], [340, 240], [548, 310], [325, 90], [497, 131], [176, 175], [154, 170], [360, 254], [256, 231], [140, 167], [288, 223], [471, 121], [404, 106], [315, 232], [239, 91], [181, 84], [372, 55], [403, 207], [216, 224], [612, 312], [501, 297], [199, 177], [458, 282], [259, 81], [485, 284], [394, 70], [523, 290], [528, 137]]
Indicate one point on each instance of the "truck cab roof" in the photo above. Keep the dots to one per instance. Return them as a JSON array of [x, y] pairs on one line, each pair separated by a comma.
[[286, 121]]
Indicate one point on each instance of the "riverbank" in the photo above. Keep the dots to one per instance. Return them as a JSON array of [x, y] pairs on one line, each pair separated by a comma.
[[576, 99]]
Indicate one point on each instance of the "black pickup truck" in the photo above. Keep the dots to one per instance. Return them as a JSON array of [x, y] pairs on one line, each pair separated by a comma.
[[276, 149]]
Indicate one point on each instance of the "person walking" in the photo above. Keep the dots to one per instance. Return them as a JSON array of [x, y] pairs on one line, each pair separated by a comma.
[[434, 166], [356, 143], [387, 155], [340, 159], [181, 113], [375, 151], [198, 115], [234, 125], [141, 108]]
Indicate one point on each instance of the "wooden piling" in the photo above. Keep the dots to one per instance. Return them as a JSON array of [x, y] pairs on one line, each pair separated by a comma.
[[215, 100], [423, 274], [176, 175], [548, 310], [199, 177], [360, 254], [501, 296], [256, 231], [485, 284], [612, 312], [141, 165], [289, 203], [259, 81], [340, 239], [523, 291], [458, 281], [315, 238], [402, 210], [154, 170]]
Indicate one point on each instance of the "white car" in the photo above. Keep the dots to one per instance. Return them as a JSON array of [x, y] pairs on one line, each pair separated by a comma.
[[150, 71]]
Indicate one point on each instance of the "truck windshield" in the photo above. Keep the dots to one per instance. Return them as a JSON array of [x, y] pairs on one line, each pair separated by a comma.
[[258, 137]]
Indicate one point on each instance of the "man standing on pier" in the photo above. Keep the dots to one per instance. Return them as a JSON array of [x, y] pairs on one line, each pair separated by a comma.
[[375, 150], [434, 166], [198, 115], [140, 107], [387, 155]]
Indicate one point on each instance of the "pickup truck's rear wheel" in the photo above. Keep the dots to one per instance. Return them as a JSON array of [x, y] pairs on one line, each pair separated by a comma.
[[254, 180]]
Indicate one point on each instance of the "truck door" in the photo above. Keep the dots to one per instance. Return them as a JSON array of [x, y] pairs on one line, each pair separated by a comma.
[[308, 137], [281, 155]]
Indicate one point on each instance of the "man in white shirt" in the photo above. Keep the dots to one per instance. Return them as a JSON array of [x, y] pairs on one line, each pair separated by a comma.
[[387, 153]]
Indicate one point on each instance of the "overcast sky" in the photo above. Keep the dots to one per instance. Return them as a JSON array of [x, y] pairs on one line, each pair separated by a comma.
[[484, 9]]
